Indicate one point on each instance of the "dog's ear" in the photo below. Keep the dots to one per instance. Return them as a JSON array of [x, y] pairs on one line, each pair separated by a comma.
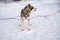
[[29, 4]]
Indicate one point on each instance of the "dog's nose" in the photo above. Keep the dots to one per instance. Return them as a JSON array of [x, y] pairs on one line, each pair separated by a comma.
[[35, 9]]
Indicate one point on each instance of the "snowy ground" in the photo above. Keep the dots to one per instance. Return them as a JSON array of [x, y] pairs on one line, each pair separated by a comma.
[[42, 28]]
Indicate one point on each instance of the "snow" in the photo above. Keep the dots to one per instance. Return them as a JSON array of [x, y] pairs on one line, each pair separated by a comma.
[[42, 28]]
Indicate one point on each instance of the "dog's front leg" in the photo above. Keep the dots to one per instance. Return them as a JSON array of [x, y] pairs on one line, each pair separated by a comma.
[[22, 23], [29, 27]]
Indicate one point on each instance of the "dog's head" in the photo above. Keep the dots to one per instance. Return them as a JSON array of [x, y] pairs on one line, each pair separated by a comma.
[[32, 7]]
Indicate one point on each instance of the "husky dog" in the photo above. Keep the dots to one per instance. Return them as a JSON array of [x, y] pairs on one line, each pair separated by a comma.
[[25, 13]]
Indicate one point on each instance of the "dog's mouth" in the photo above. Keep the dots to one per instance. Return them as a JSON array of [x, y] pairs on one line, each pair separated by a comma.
[[35, 9]]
